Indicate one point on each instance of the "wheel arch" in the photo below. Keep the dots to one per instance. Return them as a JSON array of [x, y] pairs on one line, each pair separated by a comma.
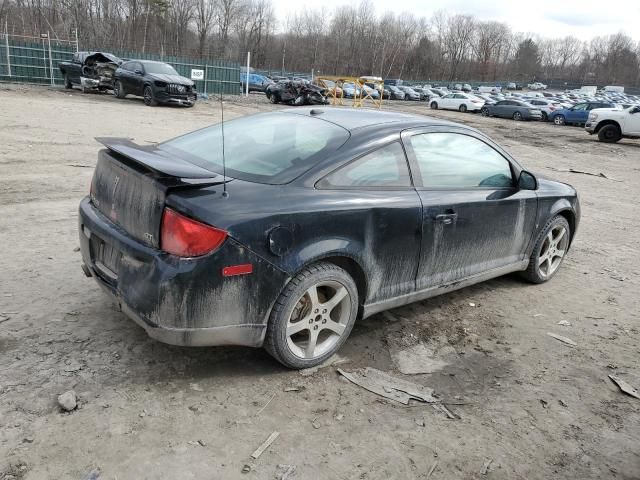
[[607, 122]]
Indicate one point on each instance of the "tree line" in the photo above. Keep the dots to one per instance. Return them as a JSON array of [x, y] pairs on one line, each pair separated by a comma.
[[352, 40]]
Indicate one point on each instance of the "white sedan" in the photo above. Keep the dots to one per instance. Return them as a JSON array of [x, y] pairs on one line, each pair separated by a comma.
[[458, 101]]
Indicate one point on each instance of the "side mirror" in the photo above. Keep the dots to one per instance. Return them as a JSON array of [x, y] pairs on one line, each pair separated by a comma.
[[138, 72], [635, 110], [527, 181]]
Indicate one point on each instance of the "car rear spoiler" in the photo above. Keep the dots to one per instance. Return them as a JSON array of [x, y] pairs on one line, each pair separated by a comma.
[[158, 162]]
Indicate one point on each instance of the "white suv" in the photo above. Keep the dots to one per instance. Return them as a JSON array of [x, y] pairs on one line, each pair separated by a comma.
[[612, 124]]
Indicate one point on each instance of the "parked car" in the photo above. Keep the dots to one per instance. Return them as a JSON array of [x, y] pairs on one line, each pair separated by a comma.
[[410, 93], [257, 83], [537, 86], [372, 92], [545, 105], [90, 70], [296, 92], [458, 101], [395, 93], [156, 82], [516, 109], [613, 124], [270, 243], [578, 114], [488, 100], [350, 90], [396, 82]]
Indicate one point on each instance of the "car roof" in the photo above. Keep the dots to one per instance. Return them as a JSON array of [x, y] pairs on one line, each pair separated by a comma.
[[355, 118]]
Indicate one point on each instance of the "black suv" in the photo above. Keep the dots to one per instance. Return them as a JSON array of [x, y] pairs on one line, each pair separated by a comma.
[[155, 82]]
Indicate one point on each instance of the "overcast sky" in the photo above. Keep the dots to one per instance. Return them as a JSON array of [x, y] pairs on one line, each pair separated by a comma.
[[548, 18]]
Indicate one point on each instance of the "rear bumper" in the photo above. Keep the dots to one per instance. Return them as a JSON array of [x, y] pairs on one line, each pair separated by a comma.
[[180, 301]]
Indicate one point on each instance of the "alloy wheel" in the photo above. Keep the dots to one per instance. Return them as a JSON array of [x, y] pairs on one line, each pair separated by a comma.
[[558, 120], [318, 319], [148, 96], [517, 116], [553, 250]]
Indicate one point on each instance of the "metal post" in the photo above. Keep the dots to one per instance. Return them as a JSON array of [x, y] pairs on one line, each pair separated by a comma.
[[53, 83], [248, 66], [205, 79], [77, 45], [6, 30], [44, 55], [312, 70]]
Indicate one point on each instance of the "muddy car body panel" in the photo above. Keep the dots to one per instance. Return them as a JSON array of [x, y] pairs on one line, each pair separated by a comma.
[[400, 243]]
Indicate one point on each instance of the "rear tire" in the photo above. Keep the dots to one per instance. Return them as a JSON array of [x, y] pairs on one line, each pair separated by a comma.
[[305, 328], [434, 105], [545, 117], [517, 116], [609, 134], [484, 112], [549, 251], [463, 108]]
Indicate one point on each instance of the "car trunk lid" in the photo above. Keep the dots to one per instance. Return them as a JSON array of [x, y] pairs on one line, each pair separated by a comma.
[[131, 182]]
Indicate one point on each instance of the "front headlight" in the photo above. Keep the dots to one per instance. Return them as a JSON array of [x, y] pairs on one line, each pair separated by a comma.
[[593, 116]]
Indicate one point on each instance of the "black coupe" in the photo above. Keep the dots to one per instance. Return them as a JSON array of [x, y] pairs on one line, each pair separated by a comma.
[[155, 82], [309, 219]]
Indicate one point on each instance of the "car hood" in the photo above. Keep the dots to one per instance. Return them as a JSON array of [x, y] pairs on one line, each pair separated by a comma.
[[163, 77], [619, 112]]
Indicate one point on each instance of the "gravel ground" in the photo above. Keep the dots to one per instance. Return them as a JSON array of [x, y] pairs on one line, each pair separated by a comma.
[[533, 406]]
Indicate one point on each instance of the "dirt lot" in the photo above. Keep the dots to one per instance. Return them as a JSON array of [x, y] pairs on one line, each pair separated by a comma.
[[536, 407]]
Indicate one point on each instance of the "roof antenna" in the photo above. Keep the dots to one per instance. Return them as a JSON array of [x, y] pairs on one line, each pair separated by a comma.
[[225, 194]]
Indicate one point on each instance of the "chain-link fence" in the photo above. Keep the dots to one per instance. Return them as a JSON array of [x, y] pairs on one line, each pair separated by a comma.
[[36, 60]]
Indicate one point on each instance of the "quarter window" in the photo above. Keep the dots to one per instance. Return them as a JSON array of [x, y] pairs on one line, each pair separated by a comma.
[[385, 167], [452, 160]]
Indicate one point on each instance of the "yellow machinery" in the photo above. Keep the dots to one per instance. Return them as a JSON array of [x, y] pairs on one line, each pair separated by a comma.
[[362, 94]]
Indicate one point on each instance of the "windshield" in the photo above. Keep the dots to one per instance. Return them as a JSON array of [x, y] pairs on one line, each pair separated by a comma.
[[160, 68], [271, 148]]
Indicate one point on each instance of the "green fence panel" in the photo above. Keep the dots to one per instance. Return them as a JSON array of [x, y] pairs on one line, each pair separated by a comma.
[[36, 62]]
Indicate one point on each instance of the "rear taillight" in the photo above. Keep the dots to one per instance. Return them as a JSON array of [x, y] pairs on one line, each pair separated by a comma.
[[185, 237]]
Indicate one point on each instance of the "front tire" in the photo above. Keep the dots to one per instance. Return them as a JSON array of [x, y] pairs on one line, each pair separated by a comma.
[[484, 112], [67, 82], [273, 98], [609, 134], [549, 251], [434, 105], [559, 120], [312, 317], [148, 98], [118, 91], [545, 117]]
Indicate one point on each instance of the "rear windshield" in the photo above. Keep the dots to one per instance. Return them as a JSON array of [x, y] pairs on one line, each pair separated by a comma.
[[269, 148]]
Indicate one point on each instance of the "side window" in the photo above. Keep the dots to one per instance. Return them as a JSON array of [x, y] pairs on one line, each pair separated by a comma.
[[453, 160], [580, 107], [385, 167]]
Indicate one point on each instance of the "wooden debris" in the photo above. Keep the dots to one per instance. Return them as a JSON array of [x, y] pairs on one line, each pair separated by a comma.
[[485, 466], [624, 386], [564, 340], [432, 469], [260, 450], [389, 387]]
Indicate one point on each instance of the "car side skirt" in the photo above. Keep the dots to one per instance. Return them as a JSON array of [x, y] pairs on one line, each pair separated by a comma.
[[377, 307]]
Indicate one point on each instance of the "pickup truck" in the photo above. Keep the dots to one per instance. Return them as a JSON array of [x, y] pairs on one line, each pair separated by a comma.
[[612, 124], [90, 70]]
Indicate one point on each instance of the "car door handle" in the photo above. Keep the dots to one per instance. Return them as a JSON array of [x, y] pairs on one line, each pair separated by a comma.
[[446, 218]]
